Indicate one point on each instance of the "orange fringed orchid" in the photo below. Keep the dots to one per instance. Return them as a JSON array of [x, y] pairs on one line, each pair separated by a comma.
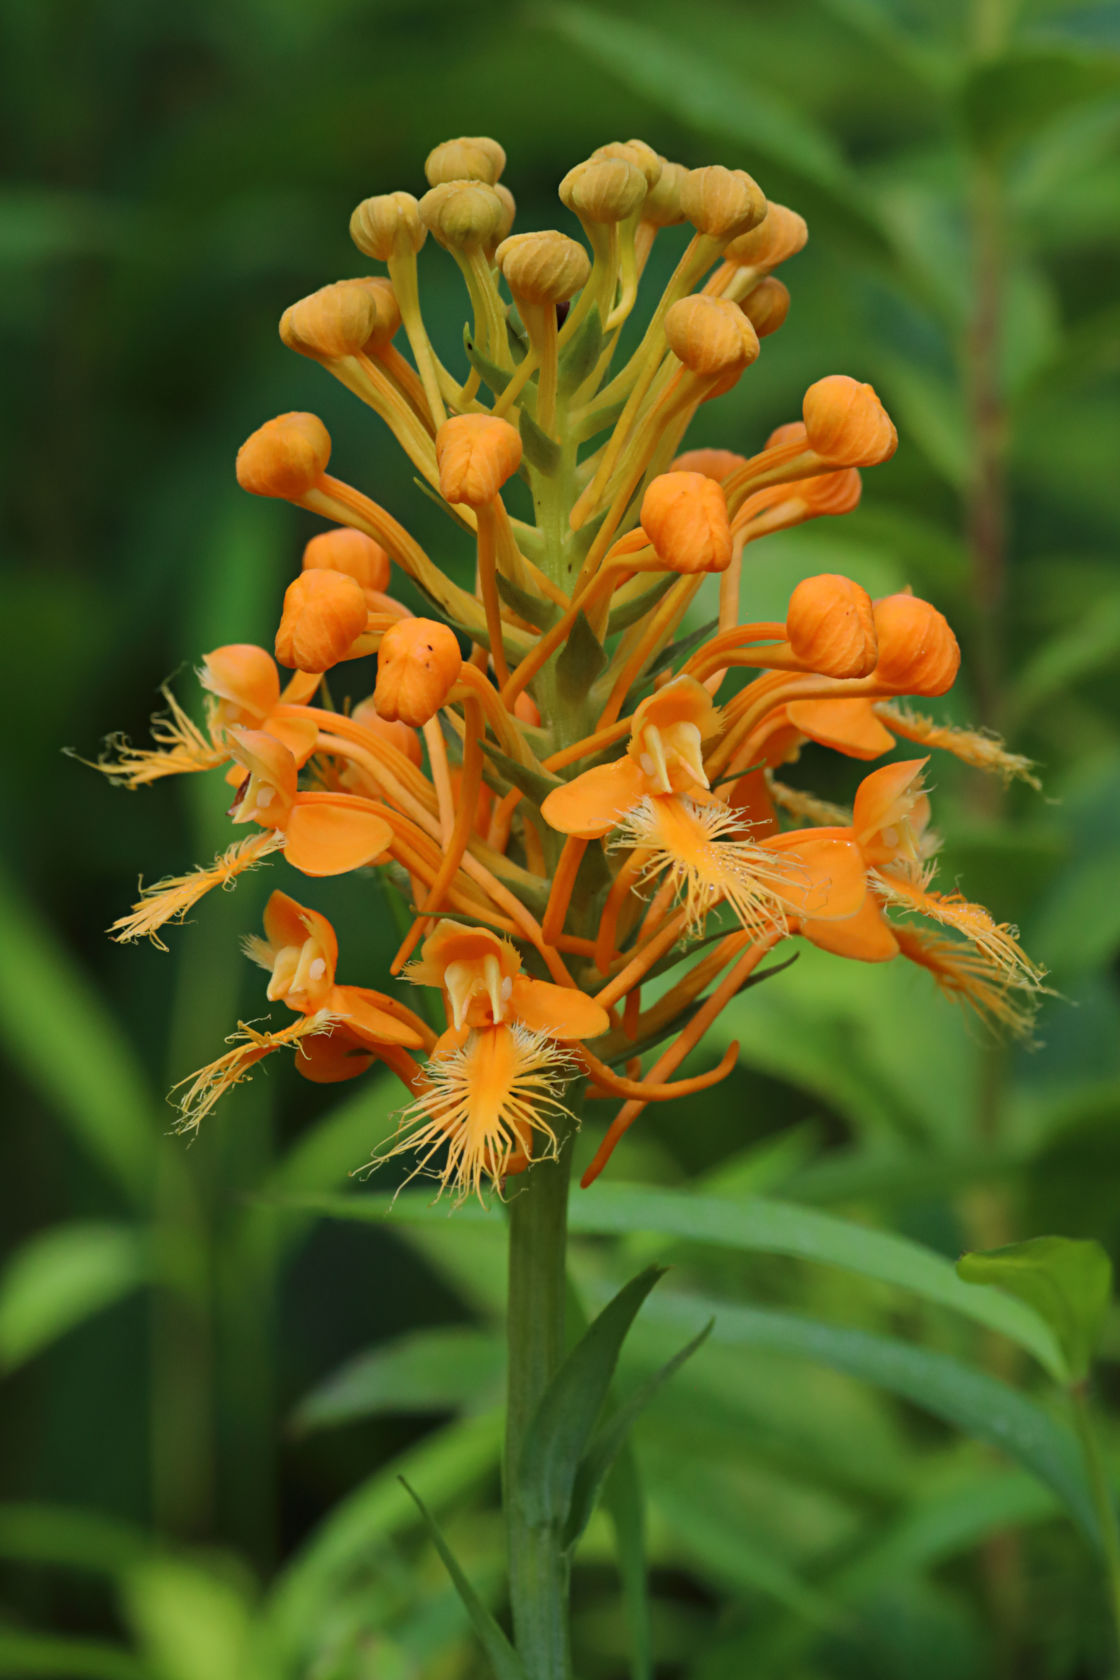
[[551, 770]]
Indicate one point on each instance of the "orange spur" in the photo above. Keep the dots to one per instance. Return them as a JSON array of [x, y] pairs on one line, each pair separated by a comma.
[[573, 791]]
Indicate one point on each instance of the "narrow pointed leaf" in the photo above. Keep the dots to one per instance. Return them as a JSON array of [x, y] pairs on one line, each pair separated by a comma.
[[540, 450], [610, 1438], [624, 1502], [558, 1434], [580, 356], [501, 1654], [581, 659], [537, 610]]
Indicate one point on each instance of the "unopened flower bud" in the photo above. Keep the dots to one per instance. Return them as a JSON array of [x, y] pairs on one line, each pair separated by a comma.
[[684, 515], [662, 203], [603, 189], [643, 157], [394, 734], [710, 335], [245, 677], [713, 463], [472, 157], [418, 664], [324, 614], [830, 493], [335, 321], [792, 432], [830, 625], [918, 652], [388, 310], [285, 457], [386, 225], [847, 424], [476, 454], [722, 203], [780, 235], [351, 552], [463, 215], [766, 307], [509, 211], [545, 267]]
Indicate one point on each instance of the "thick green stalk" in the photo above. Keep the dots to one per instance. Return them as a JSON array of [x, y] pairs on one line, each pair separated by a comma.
[[538, 1566]]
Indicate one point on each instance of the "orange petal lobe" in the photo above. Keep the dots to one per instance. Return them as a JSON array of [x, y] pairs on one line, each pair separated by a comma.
[[559, 1010], [329, 839]]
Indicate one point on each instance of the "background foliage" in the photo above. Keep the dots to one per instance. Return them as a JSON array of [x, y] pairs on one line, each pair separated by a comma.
[[214, 1371]]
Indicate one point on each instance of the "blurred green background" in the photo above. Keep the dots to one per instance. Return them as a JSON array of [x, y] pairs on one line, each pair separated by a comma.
[[193, 1491]]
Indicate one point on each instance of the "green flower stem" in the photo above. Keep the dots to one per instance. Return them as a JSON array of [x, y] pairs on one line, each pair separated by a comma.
[[1103, 1501], [538, 1565]]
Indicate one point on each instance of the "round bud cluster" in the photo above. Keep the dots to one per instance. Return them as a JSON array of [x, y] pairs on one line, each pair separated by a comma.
[[470, 158], [710, 335], [767, 306], [606, 189], [418, 664], [918, 652], [830, 625], [324, 614], [387, 226], [464, 215], [780, 235], [713, 463], [643, 157], [846, 424], [723, 203], [684, 515], [398, 735], [476, 454], [353, 553], [545, 267], [335, 321], [285, 457]]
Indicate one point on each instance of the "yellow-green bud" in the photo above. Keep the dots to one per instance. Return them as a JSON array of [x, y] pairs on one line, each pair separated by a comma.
[[710, 335], [473, 157], [462, 215], [780, 235], [335, 321], [722, 203], [662, 206], [509, 211], [636, 152], [387, 225], [603, 189], [545, 267]]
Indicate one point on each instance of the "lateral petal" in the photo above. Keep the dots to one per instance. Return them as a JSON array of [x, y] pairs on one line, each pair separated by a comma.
[[331, 838]]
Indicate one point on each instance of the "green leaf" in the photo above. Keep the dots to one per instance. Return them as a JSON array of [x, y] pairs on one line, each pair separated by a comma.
[[441, 1370], [69, 1538], [1006, 101], [623, 617], [535, 783], [540, 450], [582, 352], [610, 1438], [497, 378], [537, 610], [447, 1463], [67, 1045], [930, 413], [1068, 1282], [502, 1656], [61, 1277], [580, 661], [755, 1225], [561, 1426], [969, 1400], [192, 1623], [43, 1656], [1091, 644]]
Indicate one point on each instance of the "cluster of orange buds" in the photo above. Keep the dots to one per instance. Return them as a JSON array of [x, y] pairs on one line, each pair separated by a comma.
[[575, 803]]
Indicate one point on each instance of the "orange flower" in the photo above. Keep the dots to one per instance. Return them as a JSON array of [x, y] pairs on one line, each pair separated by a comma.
[[418, 664], [341, 1030]]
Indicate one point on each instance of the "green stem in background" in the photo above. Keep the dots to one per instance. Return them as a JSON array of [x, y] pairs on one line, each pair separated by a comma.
[[538, 1565], [1103, 1501]]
